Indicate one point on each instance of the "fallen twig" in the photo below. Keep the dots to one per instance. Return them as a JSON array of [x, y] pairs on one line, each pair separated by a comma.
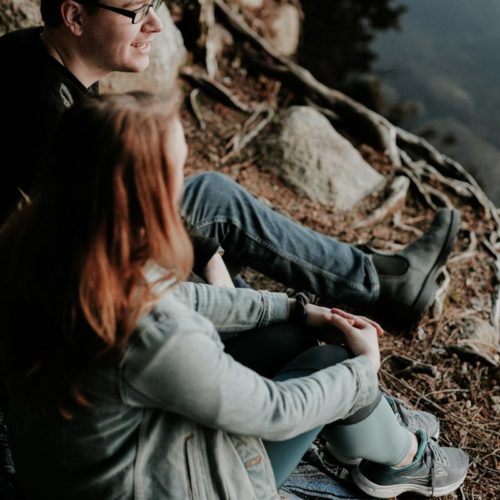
[[195, 107], [396, 220], [207, 24], [441, 293], [242, 142], [413, 365], [216, 88], [396, 200], [469, 253]]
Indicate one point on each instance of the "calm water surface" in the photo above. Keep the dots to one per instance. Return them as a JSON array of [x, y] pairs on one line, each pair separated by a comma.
[[446, 60]]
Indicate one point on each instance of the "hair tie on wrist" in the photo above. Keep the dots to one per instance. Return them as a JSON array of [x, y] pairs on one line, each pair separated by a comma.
[[299, 313]]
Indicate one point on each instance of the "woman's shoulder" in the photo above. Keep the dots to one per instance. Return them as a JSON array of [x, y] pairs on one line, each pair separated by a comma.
[[167, 319]]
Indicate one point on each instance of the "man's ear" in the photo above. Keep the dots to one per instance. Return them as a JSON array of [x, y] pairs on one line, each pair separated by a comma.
[[71, 13]]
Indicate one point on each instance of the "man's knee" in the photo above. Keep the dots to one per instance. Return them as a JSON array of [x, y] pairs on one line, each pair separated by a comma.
[[211, 183]]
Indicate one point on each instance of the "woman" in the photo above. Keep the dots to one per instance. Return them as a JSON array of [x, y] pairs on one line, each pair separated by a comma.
[[118, 385]]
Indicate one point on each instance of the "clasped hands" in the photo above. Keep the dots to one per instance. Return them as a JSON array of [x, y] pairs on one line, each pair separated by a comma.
[[360, 334]]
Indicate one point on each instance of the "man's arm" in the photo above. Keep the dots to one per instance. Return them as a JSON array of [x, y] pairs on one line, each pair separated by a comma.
[[216, 272], [208, 262]]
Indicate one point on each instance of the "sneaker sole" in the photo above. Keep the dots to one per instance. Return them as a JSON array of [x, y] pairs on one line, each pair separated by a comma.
[[380, 491], [426, 294]]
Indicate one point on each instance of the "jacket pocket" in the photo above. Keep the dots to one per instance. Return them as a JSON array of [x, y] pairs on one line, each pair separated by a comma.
[[195, 471]]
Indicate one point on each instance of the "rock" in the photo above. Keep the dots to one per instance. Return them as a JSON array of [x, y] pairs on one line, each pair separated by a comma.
[[16, 14], [286, 29], [481, 339], [167, 55], [306, 151]]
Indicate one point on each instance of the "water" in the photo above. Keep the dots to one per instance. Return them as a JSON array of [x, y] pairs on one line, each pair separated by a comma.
[[444, 64], [446, 60]]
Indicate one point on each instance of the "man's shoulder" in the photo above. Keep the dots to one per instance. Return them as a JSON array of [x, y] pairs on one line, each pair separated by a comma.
[[20, 53], [32, 75], [20, 42]]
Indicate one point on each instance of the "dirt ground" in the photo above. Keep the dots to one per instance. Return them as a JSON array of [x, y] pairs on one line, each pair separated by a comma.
[[424, 366]]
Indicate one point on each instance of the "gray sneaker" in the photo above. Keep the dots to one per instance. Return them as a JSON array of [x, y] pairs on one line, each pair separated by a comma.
[[435, 471], [413, 420]]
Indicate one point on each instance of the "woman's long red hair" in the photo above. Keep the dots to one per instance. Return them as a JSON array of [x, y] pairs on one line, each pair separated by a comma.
[[72, 263]]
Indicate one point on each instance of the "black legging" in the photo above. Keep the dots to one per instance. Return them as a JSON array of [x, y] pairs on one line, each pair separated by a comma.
[[268, 349]]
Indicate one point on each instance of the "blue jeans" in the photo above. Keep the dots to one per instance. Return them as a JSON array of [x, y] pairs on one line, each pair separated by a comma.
[[256, 236]]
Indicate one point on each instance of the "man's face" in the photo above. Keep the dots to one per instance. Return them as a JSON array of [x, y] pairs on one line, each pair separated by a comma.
[[112, 43]]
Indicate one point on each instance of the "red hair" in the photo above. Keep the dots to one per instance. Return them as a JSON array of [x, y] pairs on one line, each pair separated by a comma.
[[75, 258]]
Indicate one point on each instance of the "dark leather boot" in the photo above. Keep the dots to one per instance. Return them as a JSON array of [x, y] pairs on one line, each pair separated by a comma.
[[408, 278]]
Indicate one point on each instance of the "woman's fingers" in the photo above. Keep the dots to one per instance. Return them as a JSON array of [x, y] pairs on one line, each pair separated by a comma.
[[359, 321], [340, 312], [343, 324]]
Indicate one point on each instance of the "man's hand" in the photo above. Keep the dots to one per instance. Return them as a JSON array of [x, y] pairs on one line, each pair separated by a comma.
[[216, 272]]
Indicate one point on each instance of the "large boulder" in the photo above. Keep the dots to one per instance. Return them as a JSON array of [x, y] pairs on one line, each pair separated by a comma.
[[307, 152]]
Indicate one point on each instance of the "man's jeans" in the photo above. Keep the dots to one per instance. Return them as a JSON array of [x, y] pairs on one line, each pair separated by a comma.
[[256, 236]]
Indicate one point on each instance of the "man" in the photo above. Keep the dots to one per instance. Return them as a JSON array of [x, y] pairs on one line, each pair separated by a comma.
[[82, 41]]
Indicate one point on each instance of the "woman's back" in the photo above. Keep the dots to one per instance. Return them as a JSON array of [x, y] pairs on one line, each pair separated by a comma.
[[127, 444]]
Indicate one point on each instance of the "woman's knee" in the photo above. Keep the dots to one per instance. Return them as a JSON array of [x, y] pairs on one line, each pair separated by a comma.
[[319, 357]]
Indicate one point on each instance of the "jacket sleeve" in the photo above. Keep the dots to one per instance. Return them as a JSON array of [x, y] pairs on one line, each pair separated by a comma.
[[231, 310], [187, 372], [234, 309]]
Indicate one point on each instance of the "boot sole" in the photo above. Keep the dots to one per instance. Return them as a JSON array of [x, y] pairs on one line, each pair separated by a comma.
[[381, 491], [426, 295]]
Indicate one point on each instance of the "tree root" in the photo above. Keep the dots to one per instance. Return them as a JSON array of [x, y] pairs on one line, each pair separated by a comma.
[[421, 162]]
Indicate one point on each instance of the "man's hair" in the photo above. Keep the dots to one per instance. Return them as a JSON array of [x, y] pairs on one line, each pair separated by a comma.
[[51, 11], [75, 258]]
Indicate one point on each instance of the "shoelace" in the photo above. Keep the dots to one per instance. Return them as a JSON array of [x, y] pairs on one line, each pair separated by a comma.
[[435, 454], [399, 406]]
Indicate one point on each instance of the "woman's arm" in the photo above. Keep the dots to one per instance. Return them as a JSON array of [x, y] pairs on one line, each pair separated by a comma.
[[179, 366], [229, 309], [234, 309]]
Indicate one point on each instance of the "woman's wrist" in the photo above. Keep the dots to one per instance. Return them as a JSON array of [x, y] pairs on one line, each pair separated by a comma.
[[297, 307]]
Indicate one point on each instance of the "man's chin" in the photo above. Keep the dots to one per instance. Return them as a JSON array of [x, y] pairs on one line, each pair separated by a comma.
[[136, 66]]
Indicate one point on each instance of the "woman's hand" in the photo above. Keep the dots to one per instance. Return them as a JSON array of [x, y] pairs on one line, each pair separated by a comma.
[[360, 334], [317, 316]]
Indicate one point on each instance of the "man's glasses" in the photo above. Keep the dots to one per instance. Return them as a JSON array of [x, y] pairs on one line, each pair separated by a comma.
[[136, 15]]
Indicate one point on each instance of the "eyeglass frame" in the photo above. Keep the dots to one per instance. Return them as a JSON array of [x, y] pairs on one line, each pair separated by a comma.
[[132, 14]]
